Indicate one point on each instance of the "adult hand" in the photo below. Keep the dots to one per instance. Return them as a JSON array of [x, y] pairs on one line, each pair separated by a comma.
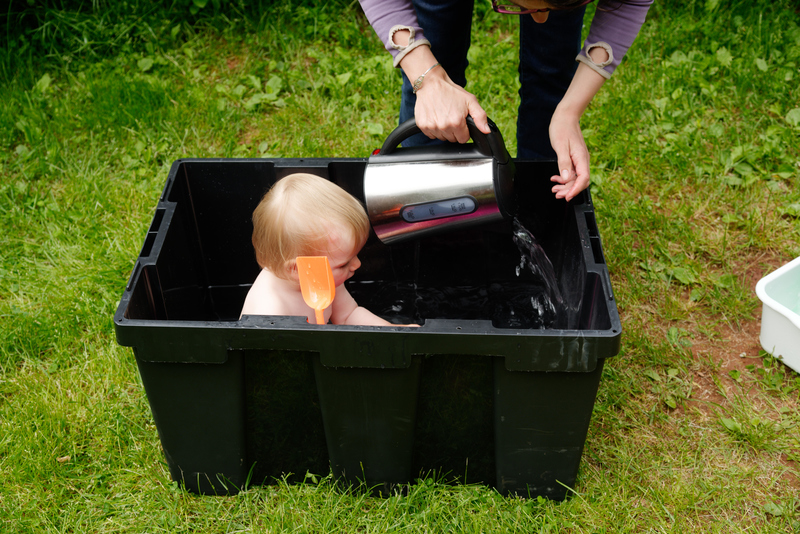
[[443, 106], [573, 156]]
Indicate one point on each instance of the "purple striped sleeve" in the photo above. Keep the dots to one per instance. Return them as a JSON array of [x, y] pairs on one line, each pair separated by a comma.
[[615, 26]]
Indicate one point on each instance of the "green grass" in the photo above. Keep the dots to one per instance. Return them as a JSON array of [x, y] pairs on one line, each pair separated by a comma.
[[696, 180]]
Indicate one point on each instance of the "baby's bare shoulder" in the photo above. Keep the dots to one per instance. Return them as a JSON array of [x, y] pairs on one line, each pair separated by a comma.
[[270, 295]]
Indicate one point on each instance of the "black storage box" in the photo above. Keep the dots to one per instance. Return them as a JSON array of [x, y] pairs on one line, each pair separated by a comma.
[[479, 393]]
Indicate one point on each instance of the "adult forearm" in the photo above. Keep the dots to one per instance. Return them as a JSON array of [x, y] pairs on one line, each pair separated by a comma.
[[585, 84], [566, 137], [418, 61]]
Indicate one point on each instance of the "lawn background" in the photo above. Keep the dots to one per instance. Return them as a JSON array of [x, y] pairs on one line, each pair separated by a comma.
[[695, 147]]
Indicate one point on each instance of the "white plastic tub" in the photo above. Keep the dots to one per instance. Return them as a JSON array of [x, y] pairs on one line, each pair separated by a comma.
[[779, 291]]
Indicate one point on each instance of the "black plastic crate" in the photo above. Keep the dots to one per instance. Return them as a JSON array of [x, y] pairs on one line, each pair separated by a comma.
[[474, 395]]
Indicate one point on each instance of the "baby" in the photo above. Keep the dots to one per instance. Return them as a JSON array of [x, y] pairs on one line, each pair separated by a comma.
[[305, 215]]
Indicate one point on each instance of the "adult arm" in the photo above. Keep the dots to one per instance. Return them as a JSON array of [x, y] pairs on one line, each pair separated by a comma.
[[442, 105], [566, 137], [613, 30]]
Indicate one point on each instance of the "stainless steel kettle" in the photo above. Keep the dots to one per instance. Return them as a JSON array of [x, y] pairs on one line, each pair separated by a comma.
[[417, 191]]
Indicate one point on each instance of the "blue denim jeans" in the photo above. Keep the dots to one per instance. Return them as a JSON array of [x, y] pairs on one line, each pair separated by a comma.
[[547, 65]]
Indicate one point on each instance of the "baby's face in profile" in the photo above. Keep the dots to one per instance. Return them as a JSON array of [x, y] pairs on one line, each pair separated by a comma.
[[342, 253]]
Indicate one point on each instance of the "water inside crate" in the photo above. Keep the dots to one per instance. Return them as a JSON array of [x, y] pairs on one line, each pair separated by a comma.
[[510, 282], [529, 298]]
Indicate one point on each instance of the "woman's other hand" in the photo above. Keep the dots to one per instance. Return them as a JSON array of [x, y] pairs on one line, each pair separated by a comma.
[[566, 137], [573, 156]]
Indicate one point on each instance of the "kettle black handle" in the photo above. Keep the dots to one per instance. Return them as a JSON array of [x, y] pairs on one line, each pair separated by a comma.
[[489, 145]]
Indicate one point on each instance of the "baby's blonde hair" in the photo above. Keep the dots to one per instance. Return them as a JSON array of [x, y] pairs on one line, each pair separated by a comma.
[[296, 217]]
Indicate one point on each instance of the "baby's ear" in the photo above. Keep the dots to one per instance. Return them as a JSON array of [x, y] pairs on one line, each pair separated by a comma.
[[290, 268]]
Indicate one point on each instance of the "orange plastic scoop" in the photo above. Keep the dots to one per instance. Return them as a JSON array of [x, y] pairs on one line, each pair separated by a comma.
[[316, 283]]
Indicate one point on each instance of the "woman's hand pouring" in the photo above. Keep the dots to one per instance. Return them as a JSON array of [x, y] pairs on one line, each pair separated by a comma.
[[443, 106]]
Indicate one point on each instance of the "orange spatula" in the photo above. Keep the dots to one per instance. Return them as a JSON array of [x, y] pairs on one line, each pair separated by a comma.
[[316, 283]]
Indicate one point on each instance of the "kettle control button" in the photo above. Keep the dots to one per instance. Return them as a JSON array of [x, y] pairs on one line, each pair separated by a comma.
[[438, 209]]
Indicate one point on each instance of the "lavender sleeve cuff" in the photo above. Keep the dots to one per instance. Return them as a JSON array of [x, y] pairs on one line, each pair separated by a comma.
[[388, 16], [614, 28]]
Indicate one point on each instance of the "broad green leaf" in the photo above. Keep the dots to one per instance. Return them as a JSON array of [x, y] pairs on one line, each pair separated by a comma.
[[725, 281], [744, 169], [257, 99], [731, 424], [674, 335], [145, 64], [761, 64], [254, 101], [683, 275], [274, 85], [792, 210], [373, 128], [711, 5], [724, 57], [773, 509], [733, 181], [737, 153], [344, 78], [669, 400], [793, 117], [255, 81], [200, 4], [43, 84], [364, 78], [678, 56], [653, 374]]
